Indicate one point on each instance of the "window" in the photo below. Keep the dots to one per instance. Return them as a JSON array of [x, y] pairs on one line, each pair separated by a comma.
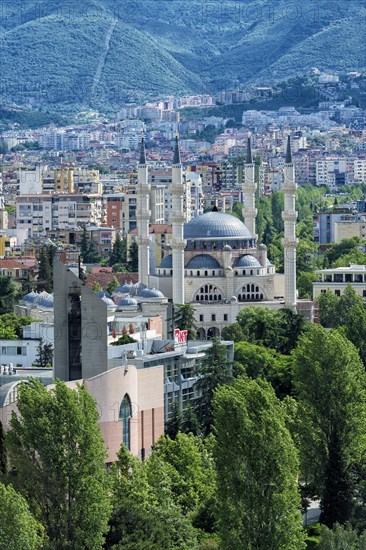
[[225, 316], [213, 317], [364, 293], [201, 318], [337, 292], [125, 415]]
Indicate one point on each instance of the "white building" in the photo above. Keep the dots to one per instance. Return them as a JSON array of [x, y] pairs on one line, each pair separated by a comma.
[[337, 279]]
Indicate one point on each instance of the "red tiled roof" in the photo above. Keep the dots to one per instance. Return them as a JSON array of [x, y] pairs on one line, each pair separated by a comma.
[[105, 278], [17, 264], [159, 228]]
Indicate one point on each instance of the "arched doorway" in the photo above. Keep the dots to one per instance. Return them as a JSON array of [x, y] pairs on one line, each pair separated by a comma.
[[201, 334], [125, 412], [213, 332]]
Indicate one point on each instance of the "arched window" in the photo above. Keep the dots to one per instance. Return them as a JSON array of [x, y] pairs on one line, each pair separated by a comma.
[[125, 412], [250, 292], [208, 293]]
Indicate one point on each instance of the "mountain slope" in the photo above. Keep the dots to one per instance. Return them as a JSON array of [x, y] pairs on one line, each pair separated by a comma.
[[102, 52]]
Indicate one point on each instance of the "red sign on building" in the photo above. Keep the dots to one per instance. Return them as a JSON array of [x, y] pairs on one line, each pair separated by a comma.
[[180, 336]]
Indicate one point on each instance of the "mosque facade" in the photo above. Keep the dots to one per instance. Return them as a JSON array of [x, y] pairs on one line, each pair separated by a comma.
[[216, 262]]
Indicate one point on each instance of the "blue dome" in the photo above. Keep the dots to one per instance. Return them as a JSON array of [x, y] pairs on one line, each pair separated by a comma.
[[124, 289], [44, 299], [167, 262], [101, 293], [30, 297], [247, 261], [151, 293], [203, 261], [108, 301], [216, 225], [128, 301]]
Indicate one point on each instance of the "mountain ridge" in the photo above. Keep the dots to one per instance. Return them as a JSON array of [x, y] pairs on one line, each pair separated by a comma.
[[52, 51]]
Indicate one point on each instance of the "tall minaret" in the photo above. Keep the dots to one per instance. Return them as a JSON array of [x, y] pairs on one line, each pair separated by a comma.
[[177, 220], [143, 217], [249, 190], [289, 216]]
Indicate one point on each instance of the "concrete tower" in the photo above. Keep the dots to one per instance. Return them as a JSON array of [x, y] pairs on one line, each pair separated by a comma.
[[249, 190], [289, 216], [143, 217], [177, 220]]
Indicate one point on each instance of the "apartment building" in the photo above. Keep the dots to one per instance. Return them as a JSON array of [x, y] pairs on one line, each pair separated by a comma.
[[40, 213]]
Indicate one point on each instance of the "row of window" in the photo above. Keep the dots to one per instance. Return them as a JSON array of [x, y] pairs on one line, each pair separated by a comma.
[[13, 350], [338, 292], [211, 317]]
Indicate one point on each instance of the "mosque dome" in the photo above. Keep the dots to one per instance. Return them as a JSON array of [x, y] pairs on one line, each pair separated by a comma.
[[150, 293], [216, 225], [203, 261], [124, 289], [127, 301], [247, 261], [44, 299], [102, 293], [30, 297], [167, 262], [108, 301]]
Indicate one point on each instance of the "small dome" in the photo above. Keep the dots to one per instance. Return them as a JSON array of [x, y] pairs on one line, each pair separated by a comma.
[[262, 247], [127, 301], [233, 299], [247, 261], [216, 225], [44, 299], [202, 261], [108, 301], [167, 262], [30, 297], [101, 293], [124, 289], [150, 293], [227, 248]]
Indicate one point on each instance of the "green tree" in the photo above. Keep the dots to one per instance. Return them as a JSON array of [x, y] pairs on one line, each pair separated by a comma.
[[305, 285], [341, 538], [133, 257], [277, 329], [190, 422], [3, 457], [18, 530], [8, 294], [191, 468], [145, 516], [14, 323], [44, 270], [257, 466], [331, 385], [119, 252], [112, 285], [183, 318], [55, 444], [84, 244], [44, 357], [215, 369], [327, 303], [96, 286], [258, 362], [174, 423], [232, 332]]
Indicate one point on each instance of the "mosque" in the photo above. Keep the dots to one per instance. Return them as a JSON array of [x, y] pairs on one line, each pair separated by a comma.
[[216, 262]]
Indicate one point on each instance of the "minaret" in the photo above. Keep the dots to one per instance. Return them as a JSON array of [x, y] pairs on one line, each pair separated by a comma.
[[249, 190], [177, 220], [143, 217], [289, 216]]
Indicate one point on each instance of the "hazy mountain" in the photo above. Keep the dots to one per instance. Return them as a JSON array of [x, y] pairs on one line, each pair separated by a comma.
[[106, 51]]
